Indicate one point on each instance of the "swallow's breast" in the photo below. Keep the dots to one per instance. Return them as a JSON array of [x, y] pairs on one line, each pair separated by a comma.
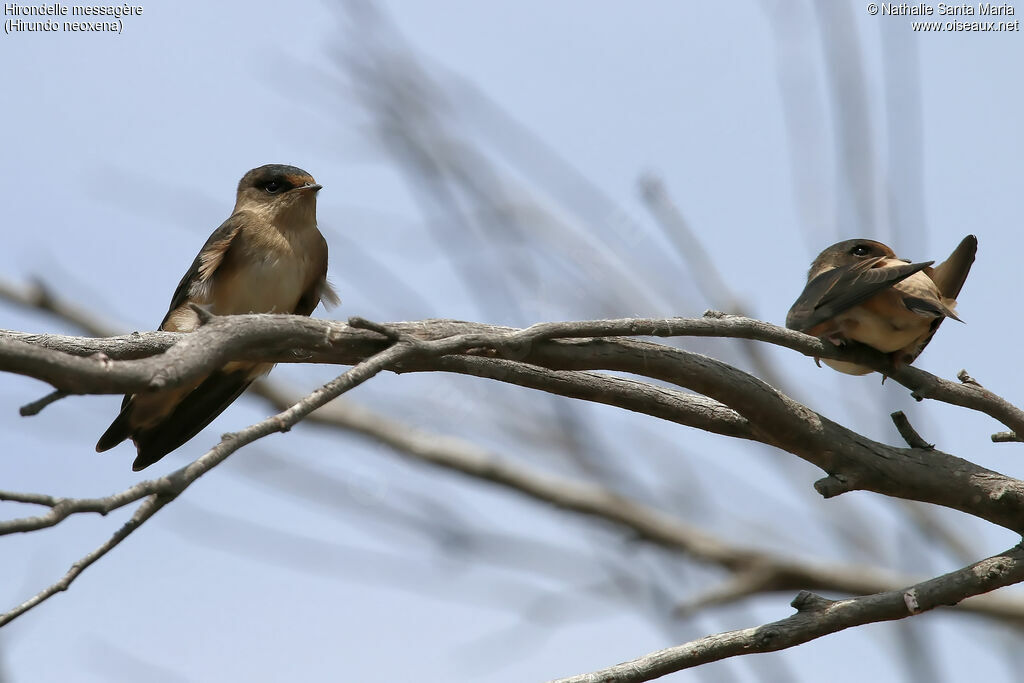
[[266, 273], [885, 323]]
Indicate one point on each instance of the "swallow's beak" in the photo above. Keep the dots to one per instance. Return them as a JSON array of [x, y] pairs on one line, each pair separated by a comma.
[[310, 187]]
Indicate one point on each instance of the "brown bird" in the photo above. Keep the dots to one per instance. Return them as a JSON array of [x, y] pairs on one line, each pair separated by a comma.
[[859, 291], [268, 257]]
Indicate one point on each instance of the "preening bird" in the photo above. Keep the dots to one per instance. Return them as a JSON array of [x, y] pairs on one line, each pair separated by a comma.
[[858, 290]]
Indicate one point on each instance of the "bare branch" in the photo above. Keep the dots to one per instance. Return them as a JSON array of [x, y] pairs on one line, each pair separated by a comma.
[[851, 461], [62, 508], [817, 617], [148, 508], [275, 338]]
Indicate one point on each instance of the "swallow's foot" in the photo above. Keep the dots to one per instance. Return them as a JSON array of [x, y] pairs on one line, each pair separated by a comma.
[[836, 340]]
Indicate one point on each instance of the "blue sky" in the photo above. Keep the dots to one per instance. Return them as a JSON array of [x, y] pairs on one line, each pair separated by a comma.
[[122, 153]]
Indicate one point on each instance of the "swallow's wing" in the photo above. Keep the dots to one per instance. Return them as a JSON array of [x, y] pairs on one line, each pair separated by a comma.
[[950, 275], [839, 289], [198, 409], [318, 288], [929, 307], [196, 281]]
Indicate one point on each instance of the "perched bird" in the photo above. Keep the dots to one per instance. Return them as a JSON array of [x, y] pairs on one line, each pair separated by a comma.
[[267, 257], [858, 290]]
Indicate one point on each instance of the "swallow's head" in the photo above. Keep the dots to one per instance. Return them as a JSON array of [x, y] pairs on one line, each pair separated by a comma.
[[848, 252], [278, 191]]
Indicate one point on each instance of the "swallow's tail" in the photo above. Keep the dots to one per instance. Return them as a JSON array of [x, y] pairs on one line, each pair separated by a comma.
[[190, 416], [119, 429], [949, 276]]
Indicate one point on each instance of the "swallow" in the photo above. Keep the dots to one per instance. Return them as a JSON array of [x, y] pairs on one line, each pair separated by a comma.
[[858, 290], [267, 257]]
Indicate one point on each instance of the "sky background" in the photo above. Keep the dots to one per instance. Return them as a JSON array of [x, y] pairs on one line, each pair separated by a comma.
[[121, 153]]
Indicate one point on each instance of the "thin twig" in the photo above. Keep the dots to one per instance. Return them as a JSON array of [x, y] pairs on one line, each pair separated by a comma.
[[148, 508], [35, 407], [817, 617], [1006, 437], [908, 432]]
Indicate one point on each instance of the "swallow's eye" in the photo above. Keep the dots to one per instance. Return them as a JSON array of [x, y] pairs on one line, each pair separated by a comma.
[[860, 250], [273, 187]]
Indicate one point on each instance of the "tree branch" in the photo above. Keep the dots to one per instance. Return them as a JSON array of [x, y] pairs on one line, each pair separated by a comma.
[[852, 461], [284, 339], [817, 617]]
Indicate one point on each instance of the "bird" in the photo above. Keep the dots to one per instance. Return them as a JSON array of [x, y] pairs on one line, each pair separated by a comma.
[[859, 291], [267, 257]]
